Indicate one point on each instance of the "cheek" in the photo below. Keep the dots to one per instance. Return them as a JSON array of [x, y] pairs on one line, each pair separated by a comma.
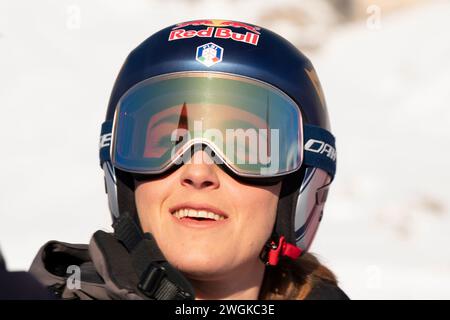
[[257, 212], [148, 198]]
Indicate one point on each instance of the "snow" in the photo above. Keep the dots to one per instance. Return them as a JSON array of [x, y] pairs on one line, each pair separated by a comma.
[[387, 218], [386, 222]]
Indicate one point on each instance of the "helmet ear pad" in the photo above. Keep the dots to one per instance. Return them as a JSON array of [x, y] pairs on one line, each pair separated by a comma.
[[125, 194], [285, 218], [310, 204]]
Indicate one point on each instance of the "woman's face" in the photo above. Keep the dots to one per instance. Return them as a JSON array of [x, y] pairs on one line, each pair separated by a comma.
[[207, 249]]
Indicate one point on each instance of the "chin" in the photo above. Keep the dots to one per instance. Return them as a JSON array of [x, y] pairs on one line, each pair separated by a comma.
[[198, 274], [199, 267]]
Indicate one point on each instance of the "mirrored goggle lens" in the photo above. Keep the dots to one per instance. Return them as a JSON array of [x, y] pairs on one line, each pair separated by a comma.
[[252, 127]]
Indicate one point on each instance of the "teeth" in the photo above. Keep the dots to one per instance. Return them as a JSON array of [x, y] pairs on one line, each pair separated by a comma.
[[197, 214], [193, 214]]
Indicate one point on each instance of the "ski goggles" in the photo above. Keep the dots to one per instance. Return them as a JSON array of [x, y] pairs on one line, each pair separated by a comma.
[[250, 126]]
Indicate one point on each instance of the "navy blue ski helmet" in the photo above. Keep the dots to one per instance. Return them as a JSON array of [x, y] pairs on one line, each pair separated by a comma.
[[254, 58]]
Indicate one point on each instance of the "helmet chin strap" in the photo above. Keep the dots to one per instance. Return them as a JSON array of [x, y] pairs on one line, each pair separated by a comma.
[[277, 247], [157, 278]]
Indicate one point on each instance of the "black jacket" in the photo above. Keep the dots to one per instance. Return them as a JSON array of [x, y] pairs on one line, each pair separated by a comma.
[[20, 285], [105, 275]]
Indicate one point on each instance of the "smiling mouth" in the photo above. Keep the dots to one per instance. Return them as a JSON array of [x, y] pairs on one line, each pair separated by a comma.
[[197, 214]]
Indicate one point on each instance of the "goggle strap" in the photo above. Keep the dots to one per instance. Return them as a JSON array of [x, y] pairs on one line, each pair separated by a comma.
[[105, 142], [319, 149]]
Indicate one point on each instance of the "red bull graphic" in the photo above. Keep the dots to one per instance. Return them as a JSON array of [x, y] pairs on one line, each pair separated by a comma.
[[216, 29], [219, 23]]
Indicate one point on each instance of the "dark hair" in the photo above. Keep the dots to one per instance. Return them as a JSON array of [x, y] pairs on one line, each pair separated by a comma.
[[293, 280]]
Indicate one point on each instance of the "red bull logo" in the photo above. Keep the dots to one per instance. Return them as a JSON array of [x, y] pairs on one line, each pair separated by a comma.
[[219, 23], [216, 29]]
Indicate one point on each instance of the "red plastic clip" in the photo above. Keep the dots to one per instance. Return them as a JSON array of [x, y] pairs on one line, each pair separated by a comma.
[[285, 249]]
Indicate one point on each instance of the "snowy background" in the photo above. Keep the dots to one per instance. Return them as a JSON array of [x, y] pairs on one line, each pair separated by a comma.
[[385, 69]]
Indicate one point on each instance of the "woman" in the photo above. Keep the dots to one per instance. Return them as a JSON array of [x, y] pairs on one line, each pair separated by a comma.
[[217, 157]]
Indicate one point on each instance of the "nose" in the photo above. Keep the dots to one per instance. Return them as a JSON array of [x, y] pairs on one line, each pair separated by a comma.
[[200, 172]]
